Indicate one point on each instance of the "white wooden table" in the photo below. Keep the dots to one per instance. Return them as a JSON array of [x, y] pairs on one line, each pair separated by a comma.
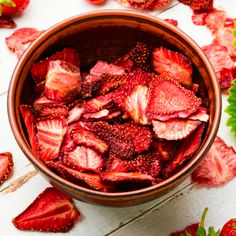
[[173, 211]]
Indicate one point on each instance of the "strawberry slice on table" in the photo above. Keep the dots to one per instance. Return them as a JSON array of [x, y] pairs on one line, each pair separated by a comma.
[[28, 117], [174, 129], [63, 81], [168, 99], [7, 22], [21, 39], [6, 166], [199, 5], [229, 228], [173, 63], [83, 158], [50, 135], [51, 211], [218, 167], [91, 180], [39, 69], [187, 149], [222, 63], [82, 136]]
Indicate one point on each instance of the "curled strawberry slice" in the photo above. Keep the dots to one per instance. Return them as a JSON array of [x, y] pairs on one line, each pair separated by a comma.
[[6, 166], [7, 22]]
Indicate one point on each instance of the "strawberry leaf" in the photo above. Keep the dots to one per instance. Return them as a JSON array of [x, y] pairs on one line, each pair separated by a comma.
[[211, 232]]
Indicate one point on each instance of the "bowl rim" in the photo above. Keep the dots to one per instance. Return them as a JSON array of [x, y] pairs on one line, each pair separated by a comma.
[[105, 13]]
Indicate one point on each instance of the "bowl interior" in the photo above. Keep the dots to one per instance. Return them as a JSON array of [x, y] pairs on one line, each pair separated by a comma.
[[106, 36]]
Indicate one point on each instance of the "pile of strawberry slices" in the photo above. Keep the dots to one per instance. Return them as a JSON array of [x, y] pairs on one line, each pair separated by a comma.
[[121, 126]]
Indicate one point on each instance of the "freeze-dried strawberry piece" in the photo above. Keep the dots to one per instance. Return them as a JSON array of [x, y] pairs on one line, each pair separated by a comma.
[[50, 135], [145, 4], [6, 166], [100, 115], [140, 135], [82, 136], [43, 101], [62, 81], [187, 149], [51, 211], [75, 113], [39, 69], [138, 55], [83, 158], [52, 112], [199, 5], [88, 179], [39, 88], [21, 39], [173, 63], [68, 144], [222, 63], [120, 144], [218, 167], [102, 67], [168, 99], [201, 115], [116, 164], [172, 22], [174, 129], [28, 117], [116, 177], [7, 22]]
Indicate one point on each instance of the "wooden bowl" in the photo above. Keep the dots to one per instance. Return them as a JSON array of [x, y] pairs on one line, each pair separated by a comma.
[[106, 35]]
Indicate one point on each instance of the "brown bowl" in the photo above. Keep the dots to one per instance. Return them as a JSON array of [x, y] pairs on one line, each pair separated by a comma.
[[106, 35]]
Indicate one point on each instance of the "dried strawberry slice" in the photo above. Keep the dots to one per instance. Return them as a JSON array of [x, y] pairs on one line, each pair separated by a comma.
[[39, 69], [222, 63], [168, 99], [89, 179], [187, 149], [6, 166], [199, 5], [174, 129], [82, 136], [116, 164], [7, 22], [43, 102], [20, 40], [116, 177], [50, 135], [28, 117], [62, 81], [83, 158], [75, 113], [102, 67], [172, 22], [218, 167], [201, 115], [51, 211], [145, 4], [52, 112], [138, 55], [172, 63], [120, 144]]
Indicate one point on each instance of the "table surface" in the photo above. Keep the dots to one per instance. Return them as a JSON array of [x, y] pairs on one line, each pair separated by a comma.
[[175, 210]]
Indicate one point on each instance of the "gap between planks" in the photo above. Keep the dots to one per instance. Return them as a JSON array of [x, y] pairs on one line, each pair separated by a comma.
[[179, 192]]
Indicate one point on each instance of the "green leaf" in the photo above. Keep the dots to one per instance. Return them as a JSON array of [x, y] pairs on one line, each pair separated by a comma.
[[212, 232], [201, 231], [234, 32]]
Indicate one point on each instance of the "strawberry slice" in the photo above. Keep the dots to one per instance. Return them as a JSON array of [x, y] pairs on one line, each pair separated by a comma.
[[39, 69], [75, 113], [200, 114], [82, 136], [222, 63], [21, 39], [172, 22], [7, 22], [83, 159], [174, 129], [137, 57], [116, 164], [175, 102], [50, 136], [116, 177], [218, 167], [199, 5], [229, 228], [28, 117], [102, 67], [52, 112], [172, 63], [62, 81], [88, 179], [6, 166], [187, 149], [51, 211]]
